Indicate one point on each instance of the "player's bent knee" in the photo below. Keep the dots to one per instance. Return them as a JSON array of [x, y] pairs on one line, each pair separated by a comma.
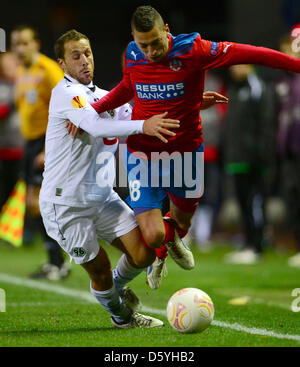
[[154, 239]]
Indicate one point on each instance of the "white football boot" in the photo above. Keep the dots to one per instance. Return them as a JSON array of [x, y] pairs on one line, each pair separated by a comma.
[[140, 321], [155, 273], [181, 253], [130, 299]]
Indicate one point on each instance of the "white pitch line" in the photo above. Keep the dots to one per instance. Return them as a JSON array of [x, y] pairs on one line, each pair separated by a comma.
[[30, 304], [86, 296], [237, 327], [256, 331]]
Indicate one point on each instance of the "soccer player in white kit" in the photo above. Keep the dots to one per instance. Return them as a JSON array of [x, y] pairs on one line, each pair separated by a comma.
[[77, 200]]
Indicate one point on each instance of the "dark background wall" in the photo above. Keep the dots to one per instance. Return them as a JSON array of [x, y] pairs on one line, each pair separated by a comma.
[[260, 22]]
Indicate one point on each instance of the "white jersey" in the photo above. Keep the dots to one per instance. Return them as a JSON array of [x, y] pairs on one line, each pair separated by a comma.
[[80, 172]]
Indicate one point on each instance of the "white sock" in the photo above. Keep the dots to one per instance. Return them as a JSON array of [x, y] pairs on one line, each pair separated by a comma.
[[124, 273], [110, 300]]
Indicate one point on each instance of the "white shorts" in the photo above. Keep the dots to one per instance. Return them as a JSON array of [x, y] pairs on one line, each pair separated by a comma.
[[77, 229]]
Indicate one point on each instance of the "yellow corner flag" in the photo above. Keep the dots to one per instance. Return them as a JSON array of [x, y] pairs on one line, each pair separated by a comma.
[[12, 215]]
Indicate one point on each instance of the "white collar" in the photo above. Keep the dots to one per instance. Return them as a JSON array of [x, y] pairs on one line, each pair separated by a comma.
[[75, 81]]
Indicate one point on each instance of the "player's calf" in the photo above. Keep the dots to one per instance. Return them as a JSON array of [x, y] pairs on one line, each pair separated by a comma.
[[99, 270], [144, 255]]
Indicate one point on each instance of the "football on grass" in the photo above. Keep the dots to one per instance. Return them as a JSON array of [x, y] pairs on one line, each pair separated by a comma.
[[190, 310]]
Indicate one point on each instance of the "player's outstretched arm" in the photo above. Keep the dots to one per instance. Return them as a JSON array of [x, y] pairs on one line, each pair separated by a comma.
[[225, 54], [154, 126], [247, 54]]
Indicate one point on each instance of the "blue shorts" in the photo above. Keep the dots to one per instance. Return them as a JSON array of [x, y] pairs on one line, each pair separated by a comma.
[[178, 175]]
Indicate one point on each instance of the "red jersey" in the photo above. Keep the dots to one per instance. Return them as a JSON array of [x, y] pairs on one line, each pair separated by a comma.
[[176, 85]]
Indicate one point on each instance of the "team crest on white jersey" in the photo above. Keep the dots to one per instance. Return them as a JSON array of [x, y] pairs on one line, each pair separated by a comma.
[[175, 64]]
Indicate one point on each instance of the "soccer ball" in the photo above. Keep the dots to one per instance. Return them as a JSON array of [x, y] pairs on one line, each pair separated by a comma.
[[190, 310]]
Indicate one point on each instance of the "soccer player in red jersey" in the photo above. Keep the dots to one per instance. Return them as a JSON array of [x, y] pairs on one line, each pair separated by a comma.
[[164, 73]]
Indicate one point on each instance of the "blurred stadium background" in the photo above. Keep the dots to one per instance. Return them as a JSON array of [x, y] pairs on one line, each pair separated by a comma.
[[108, 23]]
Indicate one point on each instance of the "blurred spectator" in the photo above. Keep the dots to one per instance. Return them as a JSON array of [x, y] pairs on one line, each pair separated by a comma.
[[36, 76], [288, 96], [11, 141], [209, 205], [249, 153]]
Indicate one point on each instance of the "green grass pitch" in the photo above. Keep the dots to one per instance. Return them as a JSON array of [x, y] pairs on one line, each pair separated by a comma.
[[63, 314]]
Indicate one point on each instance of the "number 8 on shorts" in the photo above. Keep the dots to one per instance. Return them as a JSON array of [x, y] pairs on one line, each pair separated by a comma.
[[134, 189]]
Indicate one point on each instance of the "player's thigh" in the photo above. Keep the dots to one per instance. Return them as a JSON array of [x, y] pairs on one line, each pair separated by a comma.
[[143, 199], [114, 219], [117, 225], [147, 207], [132, 244], [143, 181], [73, 229], [152, 227]]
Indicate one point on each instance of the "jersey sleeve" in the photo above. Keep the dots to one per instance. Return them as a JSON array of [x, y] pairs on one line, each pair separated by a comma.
[[212, 55], [224, 54], [72, 105]]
